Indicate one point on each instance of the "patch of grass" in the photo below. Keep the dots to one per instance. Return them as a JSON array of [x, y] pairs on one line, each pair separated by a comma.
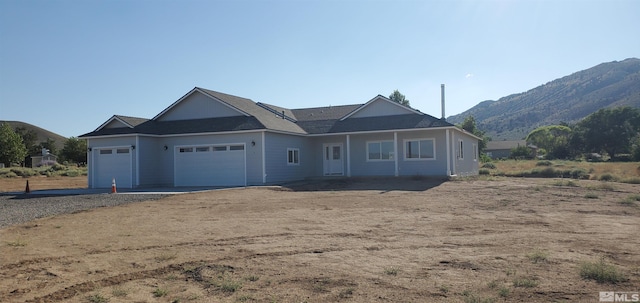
[[604, 186], [97, 298], [591, 196], [562, 182], [493, 284], [119, 292], [471, 298], [510, 272], [484, 172], [489, 165], [160, 292], [391, 271], [525, 282], [252, 278], [632, 180], [544, 163], [608, 178], [228, 285], [17, 243], [444, 289], [245, 298], [538, 256], [504, 292], [601, 272]]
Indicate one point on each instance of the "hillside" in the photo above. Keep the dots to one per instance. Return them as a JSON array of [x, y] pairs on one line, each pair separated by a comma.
[[567, 99], [42, 134]]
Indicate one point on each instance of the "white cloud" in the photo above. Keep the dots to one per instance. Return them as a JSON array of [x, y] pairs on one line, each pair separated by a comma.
[[469, 76]]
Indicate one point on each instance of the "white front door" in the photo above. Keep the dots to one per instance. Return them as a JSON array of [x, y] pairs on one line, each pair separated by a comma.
[[332, 155]]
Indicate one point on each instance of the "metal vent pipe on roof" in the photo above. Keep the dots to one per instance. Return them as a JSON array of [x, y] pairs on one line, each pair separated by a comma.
[[442, 99]]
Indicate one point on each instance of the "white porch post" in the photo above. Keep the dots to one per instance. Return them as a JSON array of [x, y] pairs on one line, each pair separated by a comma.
[[448, 154], [137, 160], [395, 152], [348, 156], [264, 165]]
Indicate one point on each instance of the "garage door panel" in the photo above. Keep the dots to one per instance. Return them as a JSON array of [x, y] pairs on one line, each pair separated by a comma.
[[210, 166], [113, 163]]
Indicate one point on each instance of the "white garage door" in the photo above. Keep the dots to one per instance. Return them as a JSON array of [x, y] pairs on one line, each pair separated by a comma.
[[216, 165], [113, 163]]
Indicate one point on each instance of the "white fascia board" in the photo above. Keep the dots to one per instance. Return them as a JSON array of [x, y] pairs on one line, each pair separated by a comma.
[[380, 97], [196, 89]]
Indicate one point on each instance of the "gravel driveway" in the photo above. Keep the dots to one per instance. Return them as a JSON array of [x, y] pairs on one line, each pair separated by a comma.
[[16, 209]]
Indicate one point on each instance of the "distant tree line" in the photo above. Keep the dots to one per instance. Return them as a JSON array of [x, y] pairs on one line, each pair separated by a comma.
[[609, 132], [16, 146]]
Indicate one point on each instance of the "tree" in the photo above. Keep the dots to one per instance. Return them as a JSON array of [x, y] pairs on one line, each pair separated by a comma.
[[520, 152], [469, 125], [396, 96], [12, 148], [75, 150], [50, 144], [553, 138], [29, 138], [611, 130]]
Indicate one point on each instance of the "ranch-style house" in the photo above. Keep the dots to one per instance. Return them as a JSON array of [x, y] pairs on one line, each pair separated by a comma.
[[208, 138]]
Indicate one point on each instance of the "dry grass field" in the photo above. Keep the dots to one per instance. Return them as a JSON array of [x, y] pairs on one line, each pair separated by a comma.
[[380, 240]]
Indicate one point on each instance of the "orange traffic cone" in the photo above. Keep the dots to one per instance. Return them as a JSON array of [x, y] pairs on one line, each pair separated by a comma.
[[27, 190], [113, 186]]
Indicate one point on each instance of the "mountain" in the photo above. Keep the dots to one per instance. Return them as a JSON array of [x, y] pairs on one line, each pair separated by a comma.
[[42, 134], [567, 99]]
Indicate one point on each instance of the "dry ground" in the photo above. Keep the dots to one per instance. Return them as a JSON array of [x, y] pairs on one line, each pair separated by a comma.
[[41, 182], [382, 240]]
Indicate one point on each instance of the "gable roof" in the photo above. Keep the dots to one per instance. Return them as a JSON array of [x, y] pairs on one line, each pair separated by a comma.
[[129, 122], [383, 99], [262, 116]]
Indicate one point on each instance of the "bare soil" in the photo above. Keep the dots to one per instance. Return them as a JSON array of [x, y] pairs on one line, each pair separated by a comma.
[[41, 182], [381, 240]]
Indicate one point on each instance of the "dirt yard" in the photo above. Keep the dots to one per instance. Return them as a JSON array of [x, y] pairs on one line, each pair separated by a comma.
[[407, 240]]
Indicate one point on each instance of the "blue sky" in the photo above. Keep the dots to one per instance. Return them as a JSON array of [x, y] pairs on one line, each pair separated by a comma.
[[68, 66]]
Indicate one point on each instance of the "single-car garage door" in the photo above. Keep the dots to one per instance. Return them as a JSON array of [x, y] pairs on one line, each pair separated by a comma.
[[113, 163], [214, 165]]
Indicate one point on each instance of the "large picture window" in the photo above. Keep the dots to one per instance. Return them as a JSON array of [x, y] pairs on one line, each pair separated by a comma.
[[420, 149], [380, 151], [293, 156]]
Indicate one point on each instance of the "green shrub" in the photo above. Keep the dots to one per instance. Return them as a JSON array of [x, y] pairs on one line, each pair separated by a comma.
[[579, 173], [24, 172], [489, 165], [70, 173], [601, 272], [525, 282], [544, 163], [607, 177], [58, 167], [632, 180], [484, 171], [8, 174]]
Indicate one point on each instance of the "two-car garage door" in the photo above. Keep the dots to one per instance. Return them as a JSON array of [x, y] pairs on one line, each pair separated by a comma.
[[212, 165]]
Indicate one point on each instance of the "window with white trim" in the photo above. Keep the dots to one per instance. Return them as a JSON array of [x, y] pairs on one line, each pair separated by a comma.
[[460, 149], [293, 156], [420, 149], [380, 151]]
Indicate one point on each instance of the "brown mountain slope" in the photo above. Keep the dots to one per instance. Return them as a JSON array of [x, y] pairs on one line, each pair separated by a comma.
[[42, 133], [567, 99]]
